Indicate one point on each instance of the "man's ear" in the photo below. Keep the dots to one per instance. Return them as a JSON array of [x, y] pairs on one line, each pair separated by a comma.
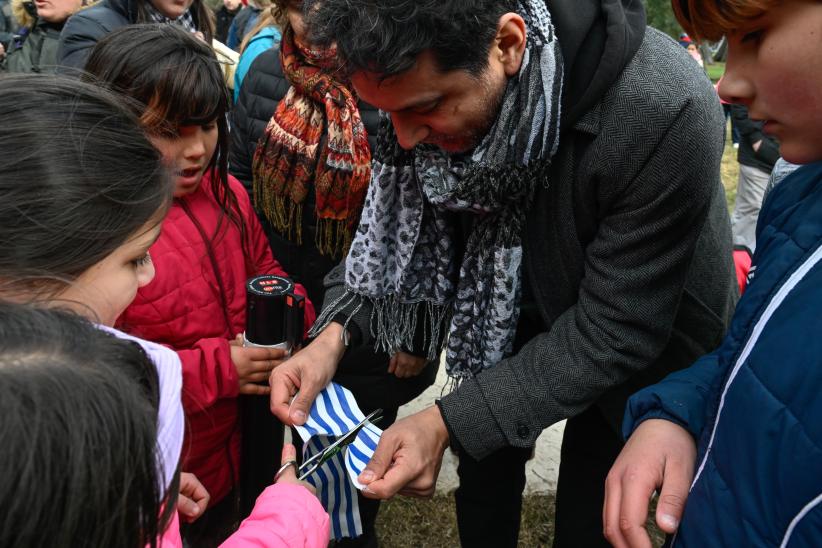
[[509, 43]]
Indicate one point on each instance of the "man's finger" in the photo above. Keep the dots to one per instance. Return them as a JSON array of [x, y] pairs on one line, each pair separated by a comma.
[[396, 479], [673, 495], [300, 407], [381, 459], [392, 364], [637, 489], [283, 389]]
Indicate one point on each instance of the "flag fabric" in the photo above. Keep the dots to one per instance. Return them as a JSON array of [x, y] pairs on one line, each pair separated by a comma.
[[334, 414]]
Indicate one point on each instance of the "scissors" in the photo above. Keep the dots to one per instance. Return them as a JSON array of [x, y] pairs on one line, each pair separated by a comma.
[[313, 463]]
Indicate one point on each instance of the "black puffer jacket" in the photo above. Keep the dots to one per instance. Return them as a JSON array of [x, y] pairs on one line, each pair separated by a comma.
[[362, 370]]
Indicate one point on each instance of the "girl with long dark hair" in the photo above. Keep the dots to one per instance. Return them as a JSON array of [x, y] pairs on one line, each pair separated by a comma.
[[210, 245]]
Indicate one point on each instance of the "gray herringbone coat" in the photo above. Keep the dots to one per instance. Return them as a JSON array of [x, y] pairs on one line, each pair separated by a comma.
[[627, 253]]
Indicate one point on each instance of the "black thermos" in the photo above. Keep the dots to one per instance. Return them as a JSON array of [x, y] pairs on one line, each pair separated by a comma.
[[274, 318]]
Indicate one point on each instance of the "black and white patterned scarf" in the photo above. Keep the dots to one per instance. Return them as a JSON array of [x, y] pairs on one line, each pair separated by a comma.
[[186, 20], [403, 263]]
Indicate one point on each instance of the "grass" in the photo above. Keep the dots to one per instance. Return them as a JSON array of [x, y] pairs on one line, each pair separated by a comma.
[[715, 71], [406, 522]]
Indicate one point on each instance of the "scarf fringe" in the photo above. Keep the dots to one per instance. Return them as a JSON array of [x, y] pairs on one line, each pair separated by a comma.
[[334, 237], [282, 212], [393, 324]]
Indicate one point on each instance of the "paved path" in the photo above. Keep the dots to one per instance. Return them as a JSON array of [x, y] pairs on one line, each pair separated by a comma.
[[541, 471]]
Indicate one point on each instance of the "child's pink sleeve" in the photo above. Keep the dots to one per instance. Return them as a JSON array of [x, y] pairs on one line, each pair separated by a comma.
[[285, 515], [208, 374], [261, 260]]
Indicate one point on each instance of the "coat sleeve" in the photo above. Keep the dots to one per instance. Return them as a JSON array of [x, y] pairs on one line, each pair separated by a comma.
[[284, 515], [681, 397], [635, 270], [77, 39], [208, 374], [261, 260]]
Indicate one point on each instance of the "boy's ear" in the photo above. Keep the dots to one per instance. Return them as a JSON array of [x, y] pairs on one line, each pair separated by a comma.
[[510, 41]]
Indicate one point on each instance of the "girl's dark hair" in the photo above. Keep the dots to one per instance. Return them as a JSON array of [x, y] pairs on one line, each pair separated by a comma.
[[177, 81], [79, 430], [203, 17], [78, 179]]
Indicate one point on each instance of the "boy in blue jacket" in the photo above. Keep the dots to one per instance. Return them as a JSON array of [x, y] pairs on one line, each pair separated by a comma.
[[734, 443]]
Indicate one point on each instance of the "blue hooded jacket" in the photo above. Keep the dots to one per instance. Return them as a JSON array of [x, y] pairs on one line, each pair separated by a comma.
[[755, 404]]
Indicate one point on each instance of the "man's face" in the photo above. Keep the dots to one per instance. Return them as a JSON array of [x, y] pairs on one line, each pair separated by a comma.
[[775, 68], [56, 11], [452, 110]]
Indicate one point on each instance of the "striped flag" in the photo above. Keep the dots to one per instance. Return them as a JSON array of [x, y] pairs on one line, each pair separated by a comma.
[[334, 414]]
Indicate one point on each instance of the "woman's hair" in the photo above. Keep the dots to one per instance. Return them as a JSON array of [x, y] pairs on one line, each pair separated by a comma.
[[176, 81], [272, 16], [203, 17], [713, 19], [79, 430], [78, 179]]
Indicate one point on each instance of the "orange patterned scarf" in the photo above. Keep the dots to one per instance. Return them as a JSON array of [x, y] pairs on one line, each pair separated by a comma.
[[293, 153]]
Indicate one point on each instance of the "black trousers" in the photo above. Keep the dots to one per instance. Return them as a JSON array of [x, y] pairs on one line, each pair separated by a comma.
[[489, 498]]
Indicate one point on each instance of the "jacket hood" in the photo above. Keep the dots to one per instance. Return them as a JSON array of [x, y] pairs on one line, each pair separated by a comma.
[[598, 38]]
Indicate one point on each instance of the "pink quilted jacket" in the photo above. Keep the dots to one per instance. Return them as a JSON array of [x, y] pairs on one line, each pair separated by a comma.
[[196, 311], [285, 515]]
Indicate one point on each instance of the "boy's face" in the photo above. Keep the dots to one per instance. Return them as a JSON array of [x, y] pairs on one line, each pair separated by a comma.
[[775, 69]]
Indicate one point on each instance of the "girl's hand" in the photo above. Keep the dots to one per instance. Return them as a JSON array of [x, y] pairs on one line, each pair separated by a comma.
[[289, 475], [254, 365], [405, 366], [193, 499]]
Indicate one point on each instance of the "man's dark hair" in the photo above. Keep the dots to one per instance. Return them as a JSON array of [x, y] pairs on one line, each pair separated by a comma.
[[386, 36]]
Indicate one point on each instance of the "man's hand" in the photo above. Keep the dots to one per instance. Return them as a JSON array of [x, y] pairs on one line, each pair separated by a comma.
[[193, 499], [659, 453], [405, 366], [408, 458], [254, 365], [305, 375]]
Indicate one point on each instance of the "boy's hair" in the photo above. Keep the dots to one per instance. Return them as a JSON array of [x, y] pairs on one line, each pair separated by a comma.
[[176, 80], [386, 36], [713, 19], [79, 430], [78, 179]]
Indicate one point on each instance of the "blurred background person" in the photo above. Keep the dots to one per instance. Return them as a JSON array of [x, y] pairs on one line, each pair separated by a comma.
[[86, 28], [756, 155], [224, 16], [35, 49]]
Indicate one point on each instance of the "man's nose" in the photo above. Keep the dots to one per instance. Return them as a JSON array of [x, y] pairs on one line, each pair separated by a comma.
[[408, 133]]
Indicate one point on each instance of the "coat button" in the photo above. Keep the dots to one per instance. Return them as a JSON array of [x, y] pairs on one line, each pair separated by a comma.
[[523, 431]]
